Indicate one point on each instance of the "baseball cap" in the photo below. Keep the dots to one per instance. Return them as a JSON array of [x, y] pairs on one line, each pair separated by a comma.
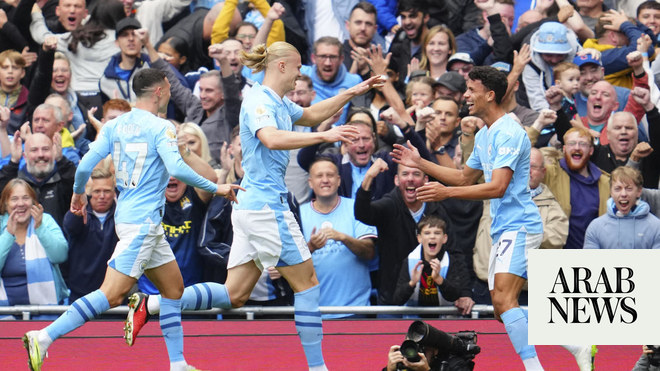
[[125, 24], [581, 60], [453, 81], [552, 38], [459, 57]]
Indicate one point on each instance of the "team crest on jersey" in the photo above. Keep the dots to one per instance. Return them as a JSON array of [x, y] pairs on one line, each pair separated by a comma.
[[185, 203], [326, 224], [170, 134]]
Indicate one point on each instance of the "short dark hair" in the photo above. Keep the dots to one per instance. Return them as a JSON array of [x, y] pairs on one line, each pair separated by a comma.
[[492, 78], [324, 159], [650, 4], [412, 6], [431, 221], [366, 7], [146, 79], [307, 80]]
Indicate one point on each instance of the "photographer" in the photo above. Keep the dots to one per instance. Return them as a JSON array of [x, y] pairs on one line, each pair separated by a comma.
[[395, 359], [427, 348], [648, 361]]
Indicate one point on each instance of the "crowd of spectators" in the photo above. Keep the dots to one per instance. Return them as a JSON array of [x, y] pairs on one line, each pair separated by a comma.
[[582, 80]]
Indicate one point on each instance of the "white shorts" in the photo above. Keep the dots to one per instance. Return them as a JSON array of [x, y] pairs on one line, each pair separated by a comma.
[[509, 254], [271, 238], [140, 247]]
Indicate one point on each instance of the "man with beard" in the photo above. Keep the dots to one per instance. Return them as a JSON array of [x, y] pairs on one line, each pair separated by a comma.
[[581, 188], [361, 28], [622, 134], [48, 172], [329, 75], [395, 217], [408, 42]]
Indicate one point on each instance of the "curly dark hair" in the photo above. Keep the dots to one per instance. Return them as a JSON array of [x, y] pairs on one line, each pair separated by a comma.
[[492, 78]]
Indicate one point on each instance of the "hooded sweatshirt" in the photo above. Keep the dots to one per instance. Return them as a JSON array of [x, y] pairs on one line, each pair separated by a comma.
[[639, 229]]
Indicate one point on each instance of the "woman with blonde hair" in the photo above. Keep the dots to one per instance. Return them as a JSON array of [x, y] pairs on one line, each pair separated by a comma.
[[439, 45], [31, 247], [266, 233]]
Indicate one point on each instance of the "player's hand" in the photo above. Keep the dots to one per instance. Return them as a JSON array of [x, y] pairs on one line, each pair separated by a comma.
[[406, 155], [228, 191], [273, 273], [79, 205], [343, 133], [364, 86], [432, 191]]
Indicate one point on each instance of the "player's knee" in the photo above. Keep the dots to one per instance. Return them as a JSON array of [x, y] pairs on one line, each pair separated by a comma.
[[238, 301], [502, 303], [173, 292]]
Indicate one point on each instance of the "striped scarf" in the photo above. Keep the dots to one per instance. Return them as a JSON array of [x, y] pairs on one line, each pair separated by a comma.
[[39, 270]]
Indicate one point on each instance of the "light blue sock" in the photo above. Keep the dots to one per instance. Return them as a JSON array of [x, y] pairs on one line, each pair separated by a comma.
[[205, 295], [515, 323], [82, 310], [309, 325], [170, 325]]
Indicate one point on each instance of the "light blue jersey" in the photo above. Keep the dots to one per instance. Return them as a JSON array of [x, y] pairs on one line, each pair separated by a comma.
[[344, 278], [145, 153], [505, 144], [264, 168]]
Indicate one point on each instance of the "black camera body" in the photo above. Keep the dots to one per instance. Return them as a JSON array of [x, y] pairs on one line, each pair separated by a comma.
[[455, 352]]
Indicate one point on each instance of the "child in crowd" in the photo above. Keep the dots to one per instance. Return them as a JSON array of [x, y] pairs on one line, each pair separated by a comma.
[[567, 78], [429, 275], [12, 94]]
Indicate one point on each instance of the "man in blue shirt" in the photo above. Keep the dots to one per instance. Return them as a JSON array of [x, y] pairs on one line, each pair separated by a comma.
[[145, 153], [341, 246], [501, 153]]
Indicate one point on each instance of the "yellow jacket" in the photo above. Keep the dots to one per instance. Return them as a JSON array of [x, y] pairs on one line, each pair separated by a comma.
[[220, 30]]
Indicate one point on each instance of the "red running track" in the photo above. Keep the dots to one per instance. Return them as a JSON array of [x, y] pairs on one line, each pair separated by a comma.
[[274, 345]]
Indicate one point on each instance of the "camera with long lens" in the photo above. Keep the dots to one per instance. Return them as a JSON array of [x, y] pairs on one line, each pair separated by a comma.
[[455, 352], [654, 358]]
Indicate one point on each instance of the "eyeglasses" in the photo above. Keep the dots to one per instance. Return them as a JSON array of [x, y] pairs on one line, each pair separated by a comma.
[[582, 145], [332, 58], [245, 36]]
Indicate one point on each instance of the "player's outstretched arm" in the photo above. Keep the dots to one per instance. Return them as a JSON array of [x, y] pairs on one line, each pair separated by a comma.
[[434, 191], [320, 111], [409, 156], [276, 139]]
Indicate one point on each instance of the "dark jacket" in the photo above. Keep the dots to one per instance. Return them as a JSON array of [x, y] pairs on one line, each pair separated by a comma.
[[54, 193], [400, 50], [397, 235], [18, 111], [90, 247], [382, 184]]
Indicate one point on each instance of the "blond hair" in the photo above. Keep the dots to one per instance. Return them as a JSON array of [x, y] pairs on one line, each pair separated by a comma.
[[260, 56], [625, 174]]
